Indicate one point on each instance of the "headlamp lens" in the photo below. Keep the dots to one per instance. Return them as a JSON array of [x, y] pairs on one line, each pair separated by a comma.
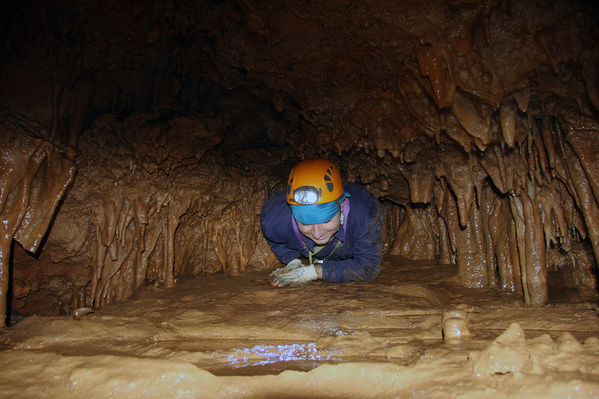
[[306, 195]]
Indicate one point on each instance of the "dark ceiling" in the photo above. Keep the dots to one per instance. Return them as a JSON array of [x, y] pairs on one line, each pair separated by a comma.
[[279, 73]]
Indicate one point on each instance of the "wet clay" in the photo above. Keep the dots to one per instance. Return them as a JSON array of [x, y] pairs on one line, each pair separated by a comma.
[[413, 331]]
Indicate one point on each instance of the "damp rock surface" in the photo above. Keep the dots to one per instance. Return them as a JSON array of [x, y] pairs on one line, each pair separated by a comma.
[[474, 123], [221, 336]]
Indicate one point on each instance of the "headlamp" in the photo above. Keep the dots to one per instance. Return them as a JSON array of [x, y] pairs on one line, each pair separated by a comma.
[[306, 195]]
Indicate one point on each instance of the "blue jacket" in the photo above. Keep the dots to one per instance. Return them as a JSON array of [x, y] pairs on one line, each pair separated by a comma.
[[359, 256]]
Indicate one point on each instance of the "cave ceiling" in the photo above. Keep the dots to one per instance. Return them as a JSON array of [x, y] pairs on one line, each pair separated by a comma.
[[335, 75]]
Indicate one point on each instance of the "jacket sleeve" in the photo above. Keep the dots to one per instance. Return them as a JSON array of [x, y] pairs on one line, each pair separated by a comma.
[[274, 220], [284, 253], [365, 265]]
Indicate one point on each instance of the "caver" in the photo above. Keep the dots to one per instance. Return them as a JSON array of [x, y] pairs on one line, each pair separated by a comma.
[[323, 228]]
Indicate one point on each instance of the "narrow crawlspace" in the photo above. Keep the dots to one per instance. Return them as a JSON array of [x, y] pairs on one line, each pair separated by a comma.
[[150, 187]]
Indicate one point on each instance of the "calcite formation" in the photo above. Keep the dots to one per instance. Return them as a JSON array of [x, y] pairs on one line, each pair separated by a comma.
[[148, 217], [34, 177], [474, 123]]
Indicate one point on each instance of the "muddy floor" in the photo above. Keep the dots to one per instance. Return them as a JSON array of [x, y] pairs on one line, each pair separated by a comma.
[[414, 332]]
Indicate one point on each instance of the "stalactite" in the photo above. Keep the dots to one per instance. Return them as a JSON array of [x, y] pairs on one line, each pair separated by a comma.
[[502, 233], [575, 267], [520, 234], [132, 243], [478, 176], [507, 116], [228, 228], [577, 229], [446, 242], [540, 150], [471, 252], [452, 166], [415, 238], [420, 178], [436, 63], [474, 117], [586, 146], [455, 131], [446, 255], [522, 97], [491, 162], [420, 106], [555, 226], [494, 241], [135, 219], [451, 217], [587, 203], [486, 207], [393, 218], [516, 172], [33, 178], [536, 272]]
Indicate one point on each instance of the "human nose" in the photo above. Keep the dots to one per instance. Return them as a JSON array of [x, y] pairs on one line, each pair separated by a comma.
[[317, 230]]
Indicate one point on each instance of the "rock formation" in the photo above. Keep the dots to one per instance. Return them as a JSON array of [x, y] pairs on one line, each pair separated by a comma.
[[474, 122]]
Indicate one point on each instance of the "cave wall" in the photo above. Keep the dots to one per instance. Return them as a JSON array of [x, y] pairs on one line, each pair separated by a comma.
[[474, 122], [35, 175]]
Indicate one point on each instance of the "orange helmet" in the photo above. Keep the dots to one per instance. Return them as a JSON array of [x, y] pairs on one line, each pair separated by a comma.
[[314, 181]]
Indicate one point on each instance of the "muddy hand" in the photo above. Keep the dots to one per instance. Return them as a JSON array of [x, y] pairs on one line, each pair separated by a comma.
[[297, 277], [294, 264]]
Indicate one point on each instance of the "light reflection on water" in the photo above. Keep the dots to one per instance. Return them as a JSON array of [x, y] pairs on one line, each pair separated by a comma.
[[260, 355]]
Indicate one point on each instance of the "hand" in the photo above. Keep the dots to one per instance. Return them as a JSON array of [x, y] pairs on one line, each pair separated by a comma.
[[294, 264], [297, 277]]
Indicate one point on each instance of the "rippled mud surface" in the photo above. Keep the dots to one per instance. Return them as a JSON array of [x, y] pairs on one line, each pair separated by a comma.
[[414, 332]]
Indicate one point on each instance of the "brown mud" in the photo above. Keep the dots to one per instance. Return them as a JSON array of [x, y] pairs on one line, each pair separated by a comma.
[[221, 336]]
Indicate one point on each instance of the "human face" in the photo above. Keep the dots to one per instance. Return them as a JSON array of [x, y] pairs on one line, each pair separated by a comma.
[[321, 233]]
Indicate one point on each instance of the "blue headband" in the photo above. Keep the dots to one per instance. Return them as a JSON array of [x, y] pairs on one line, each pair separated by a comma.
[[317, 213]]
